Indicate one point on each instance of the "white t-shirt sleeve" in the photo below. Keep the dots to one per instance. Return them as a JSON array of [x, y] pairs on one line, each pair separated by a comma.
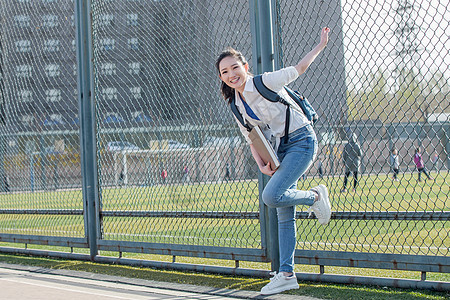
[[278, 79]]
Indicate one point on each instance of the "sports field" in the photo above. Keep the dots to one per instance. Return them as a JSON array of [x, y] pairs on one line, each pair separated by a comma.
[[199, 214]]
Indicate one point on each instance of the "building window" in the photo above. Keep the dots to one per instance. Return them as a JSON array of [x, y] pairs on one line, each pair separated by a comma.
[[50, 21], [27, 120], [136, 92], [133, 44], [25, 96], [74, 45], [74, 66], [72, 18], [23, 46], [108, 69], [51, 45], [108, 44], [52, 70], [132, 19], [105, 20], [22, 21], [24, 71], [134, 68], [109, 94], [53, 95]]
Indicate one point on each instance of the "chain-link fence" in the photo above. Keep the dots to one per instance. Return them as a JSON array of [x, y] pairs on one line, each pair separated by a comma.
[[40, 154], [174, 175], [385, 80]]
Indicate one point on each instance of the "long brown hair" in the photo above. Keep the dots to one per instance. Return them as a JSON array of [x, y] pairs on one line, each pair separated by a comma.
[[228, 92]]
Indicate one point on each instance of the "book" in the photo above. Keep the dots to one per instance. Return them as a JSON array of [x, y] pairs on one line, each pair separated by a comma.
[[263, 147]]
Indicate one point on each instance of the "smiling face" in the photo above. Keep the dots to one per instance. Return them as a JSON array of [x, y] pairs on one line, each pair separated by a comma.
[[233, 73]]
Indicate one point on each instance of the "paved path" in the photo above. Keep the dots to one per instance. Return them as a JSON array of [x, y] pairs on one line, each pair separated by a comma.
[[33, 283]]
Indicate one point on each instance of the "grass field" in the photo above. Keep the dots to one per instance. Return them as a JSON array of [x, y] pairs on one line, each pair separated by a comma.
[[376, 193], [318, 290]]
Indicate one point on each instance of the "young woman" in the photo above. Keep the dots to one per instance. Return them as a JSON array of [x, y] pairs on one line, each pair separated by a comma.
[[296, 154]]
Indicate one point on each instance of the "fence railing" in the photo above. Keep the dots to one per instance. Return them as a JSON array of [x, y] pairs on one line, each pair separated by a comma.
[[114, 137]]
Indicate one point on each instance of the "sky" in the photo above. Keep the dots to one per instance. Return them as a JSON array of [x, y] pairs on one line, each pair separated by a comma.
[[370, 42]]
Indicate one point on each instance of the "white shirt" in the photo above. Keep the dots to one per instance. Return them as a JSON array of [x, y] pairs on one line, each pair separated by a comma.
[[272, 116]]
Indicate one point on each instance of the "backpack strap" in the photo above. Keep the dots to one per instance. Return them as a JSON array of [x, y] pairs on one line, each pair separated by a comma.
[[264, 91], [267, 93], [270, 95], [238, 115]]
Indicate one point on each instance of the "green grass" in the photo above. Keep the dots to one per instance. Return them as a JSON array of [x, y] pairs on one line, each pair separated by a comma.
[[375, 193], [319, 290]]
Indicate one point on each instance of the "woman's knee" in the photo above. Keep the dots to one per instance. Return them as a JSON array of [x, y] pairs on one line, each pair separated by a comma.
[[270, 198]]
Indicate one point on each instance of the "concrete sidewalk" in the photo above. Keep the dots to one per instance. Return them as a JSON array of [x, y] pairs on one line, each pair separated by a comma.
[[19, 282]]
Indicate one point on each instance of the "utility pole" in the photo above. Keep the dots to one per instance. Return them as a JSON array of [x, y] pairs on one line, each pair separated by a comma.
[[406, 58], [3, 177], [407, 48]]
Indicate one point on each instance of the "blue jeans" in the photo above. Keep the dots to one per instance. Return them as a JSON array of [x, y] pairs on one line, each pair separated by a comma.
[[281, 191]]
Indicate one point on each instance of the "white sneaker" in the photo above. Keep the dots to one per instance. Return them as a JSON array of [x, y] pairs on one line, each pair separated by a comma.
[[322, 207], [279, 283]]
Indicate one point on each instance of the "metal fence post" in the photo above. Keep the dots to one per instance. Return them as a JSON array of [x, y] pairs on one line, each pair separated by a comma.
[[83, 13], [446, 140], [263, 61], [3, 179]]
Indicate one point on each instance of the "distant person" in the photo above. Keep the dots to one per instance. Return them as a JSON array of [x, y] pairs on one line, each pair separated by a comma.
[[185, 174], [420, 164], [352, 160], [395, 164], [320, 168], [227, 172], [435, 161], [121, 177], [6, 184], [164, 175]]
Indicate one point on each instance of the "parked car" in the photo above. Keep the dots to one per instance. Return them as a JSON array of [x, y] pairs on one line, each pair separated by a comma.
[[120, 146], [177, 145], [213, 141]]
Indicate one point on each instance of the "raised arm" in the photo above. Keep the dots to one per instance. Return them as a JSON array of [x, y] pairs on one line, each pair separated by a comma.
[[311, 56]]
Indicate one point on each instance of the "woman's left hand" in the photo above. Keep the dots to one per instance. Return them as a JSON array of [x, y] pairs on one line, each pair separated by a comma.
[[324, 36], [267, 169]]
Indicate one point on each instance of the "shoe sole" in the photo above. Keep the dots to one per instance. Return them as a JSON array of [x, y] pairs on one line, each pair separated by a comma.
[[280, 290]]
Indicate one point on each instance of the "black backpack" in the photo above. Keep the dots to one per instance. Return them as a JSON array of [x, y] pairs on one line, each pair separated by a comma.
[[270, 95]]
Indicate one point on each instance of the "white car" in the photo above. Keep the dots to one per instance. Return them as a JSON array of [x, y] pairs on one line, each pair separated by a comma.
[[177, 145], [213, 141], [120, 146]]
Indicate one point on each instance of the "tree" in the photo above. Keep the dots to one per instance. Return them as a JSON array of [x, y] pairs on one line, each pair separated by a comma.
[[415, 98]]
